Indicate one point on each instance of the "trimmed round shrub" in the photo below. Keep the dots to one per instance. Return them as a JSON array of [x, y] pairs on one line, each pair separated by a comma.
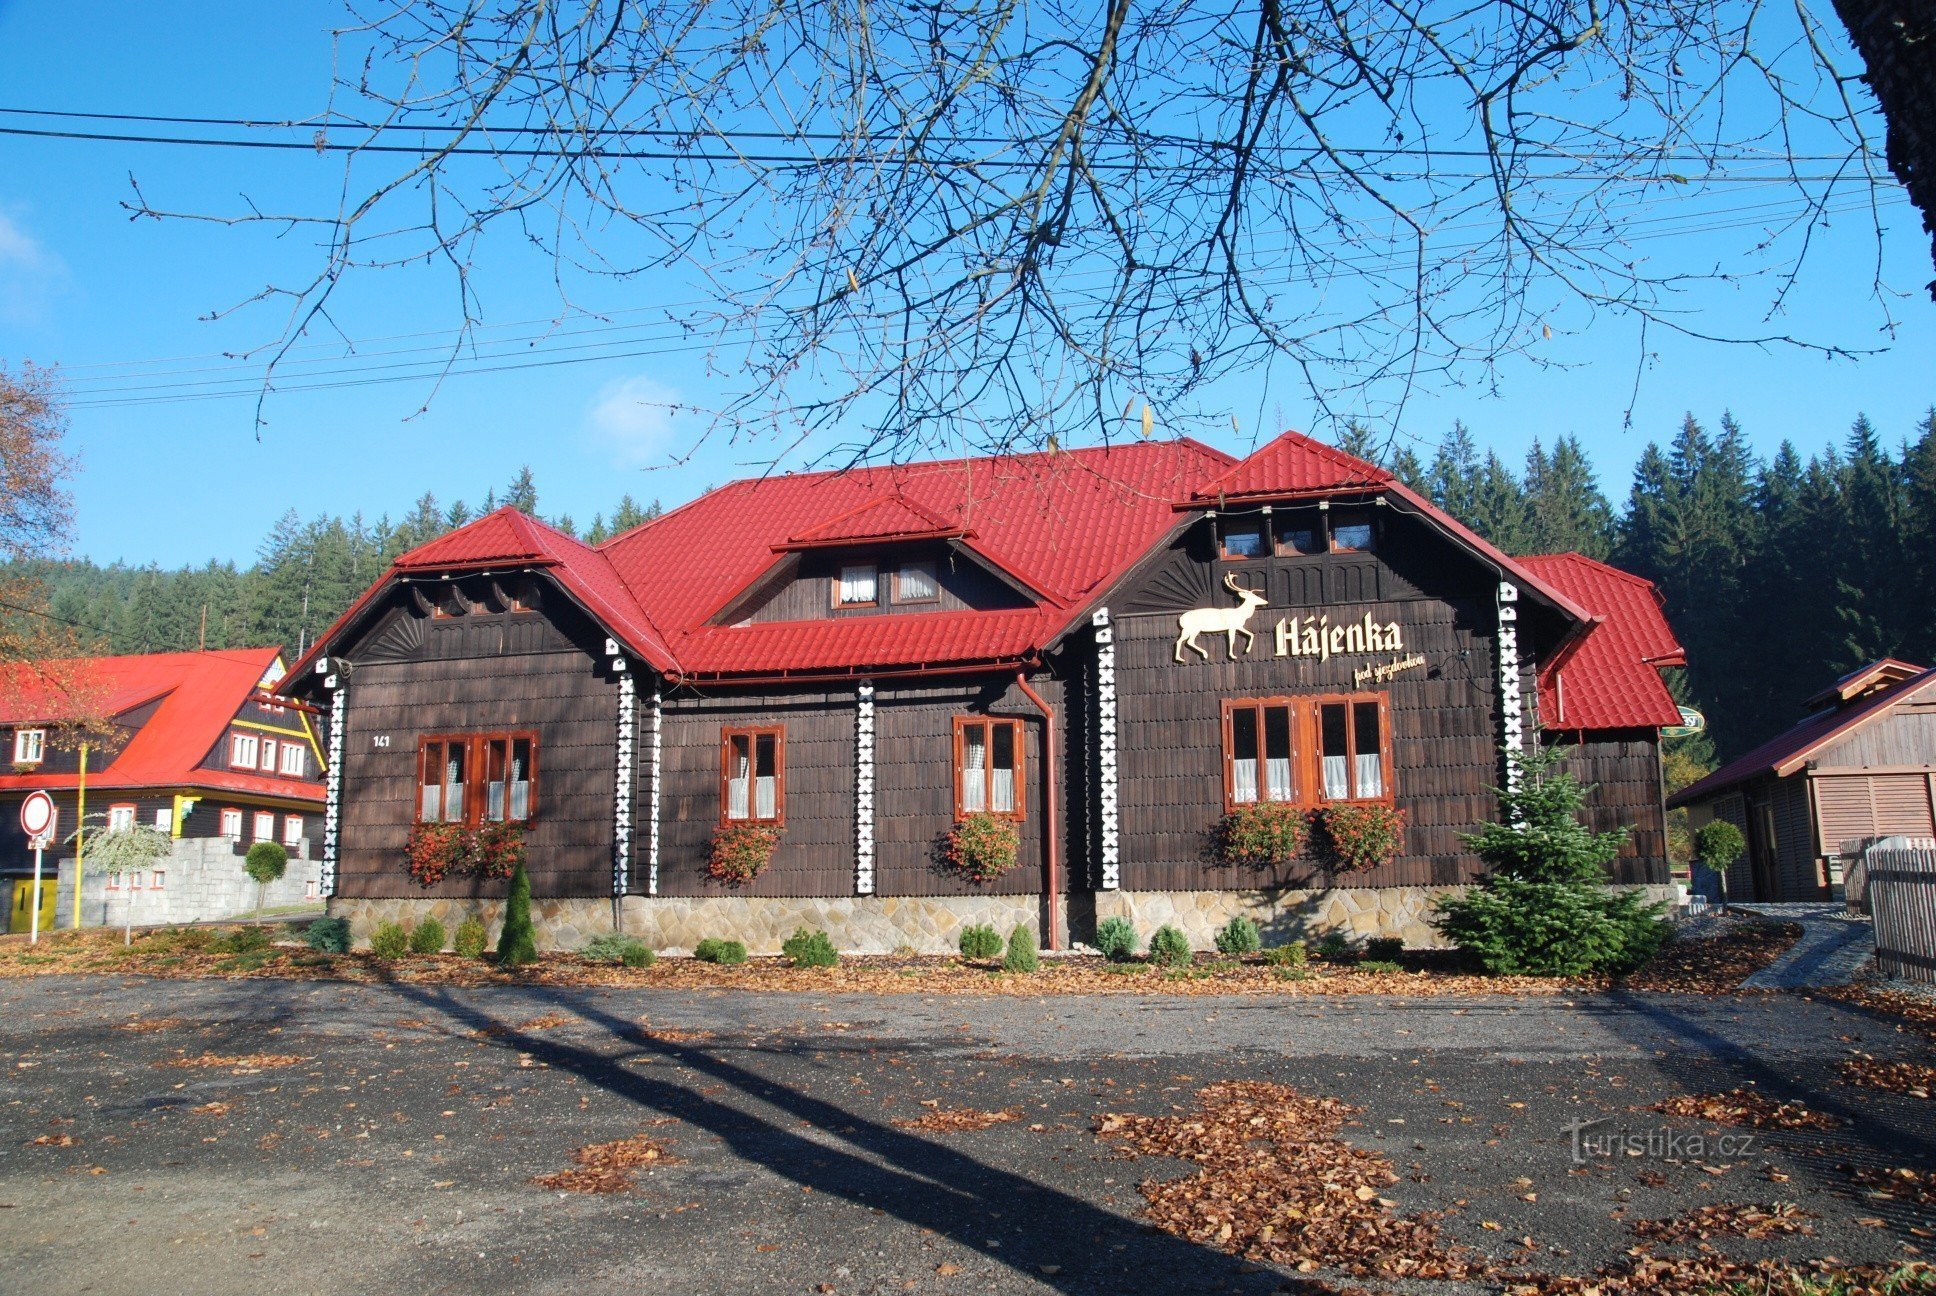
[[1718, 844], [1263, 833], [389, 941], [328, 935], [1116, 938], [428, 937], [266, 862], [638, 955], [805, 949], [1021, 951], [517, 943], [980, 942], [1238, 937], [1293, 954], [471, 939], [1170, 947]]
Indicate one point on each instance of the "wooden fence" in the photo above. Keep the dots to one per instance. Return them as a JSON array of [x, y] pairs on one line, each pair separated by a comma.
[[1902, 896]]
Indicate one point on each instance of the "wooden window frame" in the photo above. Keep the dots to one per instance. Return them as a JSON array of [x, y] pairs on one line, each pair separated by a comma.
[[301, 761], [833, 586], [1386, 757], [271, 754], [475, 792], [934, 579], [1019, 727], [222, 819], [116, 808], [1307, 748], [1331, 531], [1319, 529], [752, 734], [40, 746], [158, 879], [1263, 528], [296, 839], [235, 747]]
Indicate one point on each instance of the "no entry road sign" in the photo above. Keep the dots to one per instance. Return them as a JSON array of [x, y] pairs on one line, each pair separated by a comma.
[[38, 816]]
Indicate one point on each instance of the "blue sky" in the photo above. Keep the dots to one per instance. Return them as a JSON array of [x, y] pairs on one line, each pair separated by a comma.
[[84, 287]]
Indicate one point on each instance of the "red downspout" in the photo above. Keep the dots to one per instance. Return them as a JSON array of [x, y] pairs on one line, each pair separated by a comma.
[[1054, 837]]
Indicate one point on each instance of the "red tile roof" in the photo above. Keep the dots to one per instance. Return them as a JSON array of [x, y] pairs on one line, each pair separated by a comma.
[[1785, 753], [1293, 464], [1063, 527], [1610, 679], [200, 692]]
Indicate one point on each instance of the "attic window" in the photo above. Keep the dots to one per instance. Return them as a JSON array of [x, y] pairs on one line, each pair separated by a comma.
[[1244, 539], [1302, 532], [1353, 532], [914, 582], [29, 746], [858, 585]]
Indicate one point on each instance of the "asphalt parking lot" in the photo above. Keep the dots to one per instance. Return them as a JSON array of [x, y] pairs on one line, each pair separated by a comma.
[[236, 1136]]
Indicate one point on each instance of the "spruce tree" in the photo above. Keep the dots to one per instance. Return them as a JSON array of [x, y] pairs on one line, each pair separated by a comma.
[[1545, 907]]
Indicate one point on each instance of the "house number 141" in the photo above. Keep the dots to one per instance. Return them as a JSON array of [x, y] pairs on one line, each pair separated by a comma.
[[379, 740]]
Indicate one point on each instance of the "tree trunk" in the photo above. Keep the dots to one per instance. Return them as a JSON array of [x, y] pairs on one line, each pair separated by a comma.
[[1897, 39]]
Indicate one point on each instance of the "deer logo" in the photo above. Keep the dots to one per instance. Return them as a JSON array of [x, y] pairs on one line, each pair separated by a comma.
[[1230, 621]]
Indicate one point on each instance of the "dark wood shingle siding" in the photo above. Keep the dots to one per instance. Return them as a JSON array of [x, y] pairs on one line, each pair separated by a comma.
[[1624, 769]]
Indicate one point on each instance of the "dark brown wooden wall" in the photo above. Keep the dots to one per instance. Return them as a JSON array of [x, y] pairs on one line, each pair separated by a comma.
[[419, 677], [1624, 768], [914, 735]]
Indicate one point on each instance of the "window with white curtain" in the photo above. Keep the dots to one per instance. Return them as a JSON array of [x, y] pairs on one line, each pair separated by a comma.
[[29, 746], [120, 818], [751, 781], [1351, 733], [915, 582], [1258, 752], [988, 766], [858, 585]]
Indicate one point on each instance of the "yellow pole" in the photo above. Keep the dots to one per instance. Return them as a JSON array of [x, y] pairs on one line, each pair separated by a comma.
[[80, 836]]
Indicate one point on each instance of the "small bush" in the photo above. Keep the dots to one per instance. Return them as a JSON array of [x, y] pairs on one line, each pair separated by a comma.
[[1170, 947], [1291, 955], [1116, 938], [471, 939], [714, 950], [807, 949], [517, 943], [640, 955], [1384, 949], [389, 941], [1021, 951], [1238, 937], [428, 937], [1718, 844], [1334, 946], [980, 941], [1380, 965], [1292, 973], [191, 939], [615, 947], [241, 940]]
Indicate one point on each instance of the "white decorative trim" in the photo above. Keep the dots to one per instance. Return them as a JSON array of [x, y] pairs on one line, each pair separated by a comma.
[[333, 803], [1511, 705], [864, 791], [657, 730], [1108, 822], [628, 726]]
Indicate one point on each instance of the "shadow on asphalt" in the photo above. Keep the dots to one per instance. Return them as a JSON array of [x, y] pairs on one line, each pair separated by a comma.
[[1878, 1130], [925, 1184]]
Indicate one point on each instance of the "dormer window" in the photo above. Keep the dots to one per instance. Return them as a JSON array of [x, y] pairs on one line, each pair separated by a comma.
[[1244, 539], [1352, 531], [858, 585], [1302, 534], [915, 582], [29, 746]]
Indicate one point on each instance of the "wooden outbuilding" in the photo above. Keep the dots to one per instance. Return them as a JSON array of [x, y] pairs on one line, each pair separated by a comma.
[[1110, 650], [1859, 767]]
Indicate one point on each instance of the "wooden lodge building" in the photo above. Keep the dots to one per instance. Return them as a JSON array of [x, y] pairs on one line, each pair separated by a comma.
[[1859, 767], [188, 742], [1112, 648]]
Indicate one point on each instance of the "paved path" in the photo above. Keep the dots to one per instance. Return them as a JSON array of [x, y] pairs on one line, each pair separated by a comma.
[[392, 1145], [1835, 947]]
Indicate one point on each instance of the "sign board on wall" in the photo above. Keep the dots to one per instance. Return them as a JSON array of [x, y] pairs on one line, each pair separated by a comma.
[[1313, 635]]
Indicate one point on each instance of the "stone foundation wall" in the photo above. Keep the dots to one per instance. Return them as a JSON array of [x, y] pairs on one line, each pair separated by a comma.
[[674, 924], [931, 924], [1284, 916], [204, 883]]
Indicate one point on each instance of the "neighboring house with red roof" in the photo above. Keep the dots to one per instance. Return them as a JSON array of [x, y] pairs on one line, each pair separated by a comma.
[[1111, 648], [1861, 766], [191, 743]]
